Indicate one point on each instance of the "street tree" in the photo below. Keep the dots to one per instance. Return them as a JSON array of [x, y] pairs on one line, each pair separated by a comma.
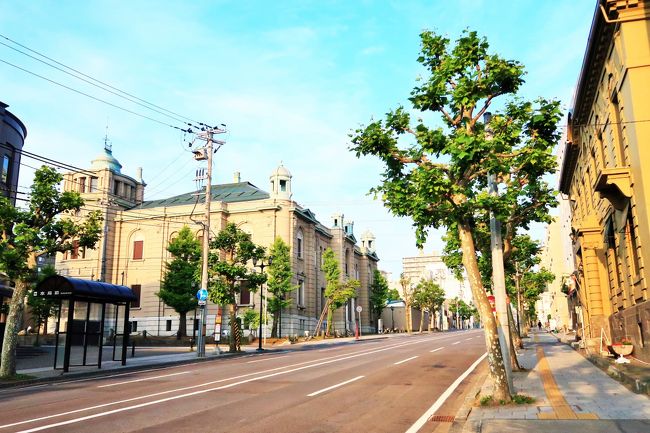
[[438, 175], [337, 292], [378, 294], [279, 282], [181, 280], [41, 308], [407, 295], [393, 294], [429, 296], [230, 252], [47, 225]]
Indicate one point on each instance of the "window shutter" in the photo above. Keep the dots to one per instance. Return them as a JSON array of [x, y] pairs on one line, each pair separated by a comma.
[[137, 250], [137, 290]]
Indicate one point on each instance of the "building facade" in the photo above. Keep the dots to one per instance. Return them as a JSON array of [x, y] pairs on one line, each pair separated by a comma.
[[606, 175], [133, 251], [12, 139]]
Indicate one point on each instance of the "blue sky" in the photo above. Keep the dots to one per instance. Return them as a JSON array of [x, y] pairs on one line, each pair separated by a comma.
[[290, 79]]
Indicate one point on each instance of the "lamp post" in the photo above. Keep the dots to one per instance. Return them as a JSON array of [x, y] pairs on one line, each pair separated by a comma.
[[262, 265], [392, 318]]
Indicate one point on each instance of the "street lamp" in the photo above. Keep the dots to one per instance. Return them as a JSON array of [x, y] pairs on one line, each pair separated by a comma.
[[262, 265], [392, 308]]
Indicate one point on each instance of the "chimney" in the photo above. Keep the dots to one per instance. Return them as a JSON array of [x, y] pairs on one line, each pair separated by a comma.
[[138, 174], [237, 177]]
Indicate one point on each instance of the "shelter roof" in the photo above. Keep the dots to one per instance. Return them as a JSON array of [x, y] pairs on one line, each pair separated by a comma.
[[65, 288], [228, 193]]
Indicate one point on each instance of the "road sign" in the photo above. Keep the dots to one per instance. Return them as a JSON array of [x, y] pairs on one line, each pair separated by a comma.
[[202, 302], [202, 295], [359, 309]]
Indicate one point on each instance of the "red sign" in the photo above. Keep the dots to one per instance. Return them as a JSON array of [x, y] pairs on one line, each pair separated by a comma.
[[492, 302]]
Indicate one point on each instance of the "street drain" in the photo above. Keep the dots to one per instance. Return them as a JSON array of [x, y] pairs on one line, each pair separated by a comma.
[[442, 418]]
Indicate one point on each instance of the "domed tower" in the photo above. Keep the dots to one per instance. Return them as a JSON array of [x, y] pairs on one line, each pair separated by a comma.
[[368, 241], [281, 183], [106, 160]]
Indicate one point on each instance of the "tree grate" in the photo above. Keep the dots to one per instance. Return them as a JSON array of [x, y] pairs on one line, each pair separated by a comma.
[[442, 418]]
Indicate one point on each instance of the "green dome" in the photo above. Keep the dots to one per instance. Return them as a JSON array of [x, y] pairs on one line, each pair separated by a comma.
[[106, 160]]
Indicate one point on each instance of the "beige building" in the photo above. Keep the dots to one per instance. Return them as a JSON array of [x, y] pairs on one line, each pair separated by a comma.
[[606, 174], [133, 250]]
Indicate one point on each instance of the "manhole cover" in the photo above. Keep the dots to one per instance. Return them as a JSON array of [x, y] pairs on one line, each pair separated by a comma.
[[442, 418]]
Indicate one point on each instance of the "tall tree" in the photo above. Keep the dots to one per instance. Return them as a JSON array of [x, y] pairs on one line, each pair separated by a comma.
[[45, 226], [429, 296], [40, 308], [378, 294], [279, 282], [230, 252], [181, 280], [407, 297], [337, 292], [438, 175]]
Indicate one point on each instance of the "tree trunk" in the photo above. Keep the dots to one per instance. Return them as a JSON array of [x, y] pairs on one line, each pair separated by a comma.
[[274, 329], [516, 337], [495, 358], [38, 331], [235, 340], [408, 318], [421, 320], [513, 352], [182, 326], [14, 318], [330, 317]]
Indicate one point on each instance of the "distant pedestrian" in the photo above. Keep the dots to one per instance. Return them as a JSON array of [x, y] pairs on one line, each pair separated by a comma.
[[539, 325]]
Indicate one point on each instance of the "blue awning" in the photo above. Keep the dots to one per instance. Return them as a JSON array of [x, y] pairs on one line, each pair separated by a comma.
[[85, 290]]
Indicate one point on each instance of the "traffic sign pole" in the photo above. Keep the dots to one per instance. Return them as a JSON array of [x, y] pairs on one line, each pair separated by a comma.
[[202, 296]]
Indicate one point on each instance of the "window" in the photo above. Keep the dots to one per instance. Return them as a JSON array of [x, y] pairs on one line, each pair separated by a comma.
[[630, 235], [299, 244], [245, 296], [320, 257], [134, 326], [137, 290], [74, 254], [137, 250], [196, 324], [93, 184], [82, 184], [4, 169], [116, 187], [301, 293], [168, 325], [347, 261], [283, 185]]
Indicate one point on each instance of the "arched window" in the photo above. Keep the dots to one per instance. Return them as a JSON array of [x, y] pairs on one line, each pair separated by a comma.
[[347, 262], [138, 246]]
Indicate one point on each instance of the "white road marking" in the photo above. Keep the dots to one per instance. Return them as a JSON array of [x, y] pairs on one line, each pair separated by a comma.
[[267, 359], [405, 360], [469, 338], [435, 350], [453, 344], [143, 379], [325, 360], [445, 395], [334, 386]]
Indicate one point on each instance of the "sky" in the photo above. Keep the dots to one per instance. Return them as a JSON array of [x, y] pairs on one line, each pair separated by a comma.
[[290, 79]]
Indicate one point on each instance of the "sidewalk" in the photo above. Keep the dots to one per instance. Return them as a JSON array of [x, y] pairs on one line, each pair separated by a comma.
[[571, 394]]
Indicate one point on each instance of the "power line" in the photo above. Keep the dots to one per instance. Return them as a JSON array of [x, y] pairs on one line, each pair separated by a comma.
[[94, 97]]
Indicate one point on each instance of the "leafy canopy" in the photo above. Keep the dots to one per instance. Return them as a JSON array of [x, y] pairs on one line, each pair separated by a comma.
[[280, 276], [378, 293], [337, 291]]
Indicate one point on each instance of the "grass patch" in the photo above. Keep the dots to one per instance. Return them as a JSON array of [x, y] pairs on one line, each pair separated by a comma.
[[522, 399], [16, 378], [488, 400]]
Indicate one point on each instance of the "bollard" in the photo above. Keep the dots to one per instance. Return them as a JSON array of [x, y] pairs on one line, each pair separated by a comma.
[[133, 349]]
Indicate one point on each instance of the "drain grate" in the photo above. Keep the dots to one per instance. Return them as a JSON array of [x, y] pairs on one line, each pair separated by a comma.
[[442, 418]]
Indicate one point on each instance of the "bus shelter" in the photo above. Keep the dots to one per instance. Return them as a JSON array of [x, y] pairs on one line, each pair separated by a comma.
[[92, 317]]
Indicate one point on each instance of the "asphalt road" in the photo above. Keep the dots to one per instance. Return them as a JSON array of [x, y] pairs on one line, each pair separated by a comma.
[[383, 385]]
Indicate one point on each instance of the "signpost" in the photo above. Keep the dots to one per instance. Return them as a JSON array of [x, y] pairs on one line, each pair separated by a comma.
[[202, 296]]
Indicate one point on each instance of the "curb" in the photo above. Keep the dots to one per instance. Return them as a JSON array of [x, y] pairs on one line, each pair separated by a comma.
[[461, 423], [638, 385]]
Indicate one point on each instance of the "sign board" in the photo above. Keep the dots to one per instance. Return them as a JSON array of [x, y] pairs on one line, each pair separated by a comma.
[[217, 332], [359, 309], [202, 295], [201, 303]]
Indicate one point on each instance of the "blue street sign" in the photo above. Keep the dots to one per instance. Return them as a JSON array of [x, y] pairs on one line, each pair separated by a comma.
[[202, 295]]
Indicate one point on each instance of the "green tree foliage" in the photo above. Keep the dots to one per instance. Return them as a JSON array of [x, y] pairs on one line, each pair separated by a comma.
[[251, 319], [393, 294], [181, 280], [279, 282], [378, 293], [230, 252], [438, 175], [337, 292], [45, 226], [42, 308], [429, 296]]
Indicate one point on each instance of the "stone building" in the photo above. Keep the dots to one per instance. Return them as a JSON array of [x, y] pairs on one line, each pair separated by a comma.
[[606, 174], [12, 139], [133, 249]]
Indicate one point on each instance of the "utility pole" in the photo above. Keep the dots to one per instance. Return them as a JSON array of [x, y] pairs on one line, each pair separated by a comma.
[[203, 154], [498, 274]]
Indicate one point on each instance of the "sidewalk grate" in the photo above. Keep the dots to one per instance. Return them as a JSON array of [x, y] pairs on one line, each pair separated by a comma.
[[442, 418]]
